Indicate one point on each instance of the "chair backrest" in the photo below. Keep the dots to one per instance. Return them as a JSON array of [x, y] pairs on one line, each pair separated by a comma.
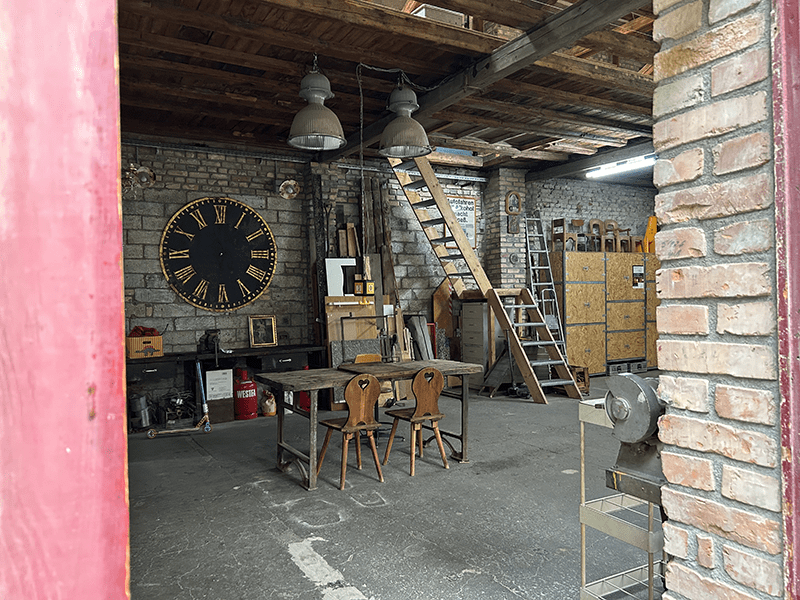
[[427, 386], [600, 225], [367, 358], [361, 394], [611, 226]]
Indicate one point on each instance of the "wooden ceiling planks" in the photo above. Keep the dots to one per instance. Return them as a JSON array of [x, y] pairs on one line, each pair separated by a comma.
[[238, 65]]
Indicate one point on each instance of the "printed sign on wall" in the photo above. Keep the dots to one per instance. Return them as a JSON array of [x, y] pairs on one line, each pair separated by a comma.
[[464, 209]]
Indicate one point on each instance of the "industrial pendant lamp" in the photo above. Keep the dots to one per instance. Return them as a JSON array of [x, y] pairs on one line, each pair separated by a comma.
[[316, 127], [404, 137]]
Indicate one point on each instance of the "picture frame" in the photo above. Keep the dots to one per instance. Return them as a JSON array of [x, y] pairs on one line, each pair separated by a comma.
[[262, 331], [513, 203]]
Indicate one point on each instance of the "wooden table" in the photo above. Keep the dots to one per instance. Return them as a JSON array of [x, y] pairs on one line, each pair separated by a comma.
[[313, 380]]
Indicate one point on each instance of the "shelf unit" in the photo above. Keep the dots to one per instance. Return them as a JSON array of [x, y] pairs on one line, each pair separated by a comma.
[[620, 516]]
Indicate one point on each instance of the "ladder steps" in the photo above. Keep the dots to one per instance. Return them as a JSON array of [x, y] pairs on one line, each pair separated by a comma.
[[435, 210], [443, 240], [415, 185], [424, 203], [555, 382], [543, 363]]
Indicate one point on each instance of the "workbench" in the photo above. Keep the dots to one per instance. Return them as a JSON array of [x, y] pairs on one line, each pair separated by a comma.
[[311, 381]]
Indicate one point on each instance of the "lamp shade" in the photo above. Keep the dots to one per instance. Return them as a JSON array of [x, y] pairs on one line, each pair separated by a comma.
[[404, 137], [316, 127]]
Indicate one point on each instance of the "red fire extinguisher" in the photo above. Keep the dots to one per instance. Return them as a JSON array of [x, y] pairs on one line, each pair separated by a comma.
[[245, 396]]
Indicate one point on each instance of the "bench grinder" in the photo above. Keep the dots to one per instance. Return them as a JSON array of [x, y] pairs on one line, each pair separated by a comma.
[[633, 405]]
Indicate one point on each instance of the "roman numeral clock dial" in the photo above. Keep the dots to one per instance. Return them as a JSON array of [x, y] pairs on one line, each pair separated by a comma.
[[218, 254]]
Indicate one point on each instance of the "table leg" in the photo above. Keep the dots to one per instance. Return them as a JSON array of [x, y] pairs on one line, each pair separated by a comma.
[[281, 414], [312, 441], [464, 416]]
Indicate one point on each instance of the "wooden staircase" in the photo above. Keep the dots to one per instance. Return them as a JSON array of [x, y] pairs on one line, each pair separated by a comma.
[[461, 263]]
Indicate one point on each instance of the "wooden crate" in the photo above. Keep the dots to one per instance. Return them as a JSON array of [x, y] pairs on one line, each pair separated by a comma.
[[584, 303], [620, 281], [144, 346], [624, 315], [624, 345], [586, 346], [585, 266]]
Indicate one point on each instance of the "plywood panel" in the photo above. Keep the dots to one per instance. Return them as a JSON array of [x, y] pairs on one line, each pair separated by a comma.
[[651, 300], [560, 297], [584, 266], [585, 303], [620, 281], [651, 265], [652, 346], [586, 347], [624, 315], [625, 345]]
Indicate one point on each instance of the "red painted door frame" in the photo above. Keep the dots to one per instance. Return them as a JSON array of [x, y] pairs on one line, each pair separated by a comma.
[[63, 436], [786, 117]]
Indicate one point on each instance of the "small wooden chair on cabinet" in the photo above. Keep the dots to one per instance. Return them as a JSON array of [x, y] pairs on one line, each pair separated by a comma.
[[426, 386], [616, 239], [594, 239], [361, 395], [559, 233]]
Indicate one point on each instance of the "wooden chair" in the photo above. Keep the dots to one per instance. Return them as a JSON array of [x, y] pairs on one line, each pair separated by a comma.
[[616, 239], [594, 239], [361, 394], [559, 233], [427, 386]]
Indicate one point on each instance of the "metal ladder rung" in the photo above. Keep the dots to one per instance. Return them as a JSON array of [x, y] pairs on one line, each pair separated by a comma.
[[424, 203], [452, 257], [544, 363], [540, 343], [432, 222], [554, 382], [467, 274], [415, 185], [527, 324], [443, 240], [406, 165]]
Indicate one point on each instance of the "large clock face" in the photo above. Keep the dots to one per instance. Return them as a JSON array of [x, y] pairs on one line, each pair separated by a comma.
[[218, 254]]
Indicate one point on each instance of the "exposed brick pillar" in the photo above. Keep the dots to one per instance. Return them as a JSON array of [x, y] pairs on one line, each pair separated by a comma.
[[717, 319], [504, 254]]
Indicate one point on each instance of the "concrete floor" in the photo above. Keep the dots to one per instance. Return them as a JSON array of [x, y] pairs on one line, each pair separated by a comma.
[[212, 518]]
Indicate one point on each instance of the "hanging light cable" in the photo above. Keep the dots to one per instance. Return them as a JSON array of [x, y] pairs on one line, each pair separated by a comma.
[[316, 127]]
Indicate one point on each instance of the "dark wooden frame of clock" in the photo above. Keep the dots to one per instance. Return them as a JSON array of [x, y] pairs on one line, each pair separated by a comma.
[[218, 254]]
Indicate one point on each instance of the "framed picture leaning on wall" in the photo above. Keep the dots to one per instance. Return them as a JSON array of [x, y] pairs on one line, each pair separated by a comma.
[[262, 331]]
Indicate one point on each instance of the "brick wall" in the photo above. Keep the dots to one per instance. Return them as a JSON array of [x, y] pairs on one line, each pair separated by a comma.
[[571, 199], [717, 320], [505, 258], [184, 174]]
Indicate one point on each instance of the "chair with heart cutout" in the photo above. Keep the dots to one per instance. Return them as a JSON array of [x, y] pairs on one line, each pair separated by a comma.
[[426, 386], [360, 395]]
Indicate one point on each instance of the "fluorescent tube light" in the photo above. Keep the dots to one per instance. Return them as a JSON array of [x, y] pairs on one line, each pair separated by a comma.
[[623, 166]]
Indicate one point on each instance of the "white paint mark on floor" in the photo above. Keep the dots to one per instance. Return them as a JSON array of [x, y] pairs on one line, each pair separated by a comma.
[[569, 471], [317, 569]]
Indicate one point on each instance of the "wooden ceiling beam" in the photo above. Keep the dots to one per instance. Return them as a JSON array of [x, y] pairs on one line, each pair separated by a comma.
[[454, 115], [271, 37], [528, 112], [600, 74], [627, 46], [581, 166], [559, 31], [514, 86], [495, 149], [379, 19]]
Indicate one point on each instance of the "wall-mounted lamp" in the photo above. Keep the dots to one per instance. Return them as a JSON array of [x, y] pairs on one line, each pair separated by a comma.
[[404, 137], [316, 127], [632, 164]]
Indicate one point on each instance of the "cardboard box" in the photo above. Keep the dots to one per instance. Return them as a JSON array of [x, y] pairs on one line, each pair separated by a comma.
[[144, 346]]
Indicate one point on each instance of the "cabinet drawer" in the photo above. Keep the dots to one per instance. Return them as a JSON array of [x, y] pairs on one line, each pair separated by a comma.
[[151, 371], [624, 315], [626, 345], [285, 362]]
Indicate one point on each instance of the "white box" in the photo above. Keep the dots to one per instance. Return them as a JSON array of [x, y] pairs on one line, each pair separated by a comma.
[[219, 384]]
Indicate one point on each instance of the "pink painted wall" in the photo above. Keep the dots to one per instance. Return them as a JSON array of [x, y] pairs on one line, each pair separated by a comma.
[[786, 109], [63, 449]]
